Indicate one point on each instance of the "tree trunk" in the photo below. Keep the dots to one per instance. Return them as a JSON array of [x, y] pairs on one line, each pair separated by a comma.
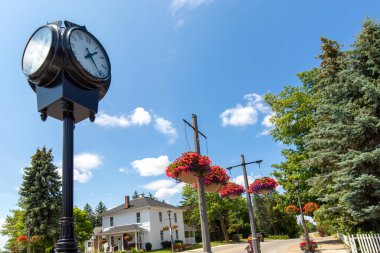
[[223, 226]]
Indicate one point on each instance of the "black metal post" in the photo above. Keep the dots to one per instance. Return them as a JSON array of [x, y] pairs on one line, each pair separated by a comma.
[[66, 242], [201, 195], [256, 241], [171, 232], [306, 232]]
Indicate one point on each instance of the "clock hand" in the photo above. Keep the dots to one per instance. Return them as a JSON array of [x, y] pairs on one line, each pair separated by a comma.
[[89, 55]]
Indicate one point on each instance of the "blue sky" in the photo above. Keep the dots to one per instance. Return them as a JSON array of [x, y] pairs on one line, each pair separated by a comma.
[[170, 58]]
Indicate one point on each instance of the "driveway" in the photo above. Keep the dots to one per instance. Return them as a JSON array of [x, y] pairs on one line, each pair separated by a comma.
[[268, 246]]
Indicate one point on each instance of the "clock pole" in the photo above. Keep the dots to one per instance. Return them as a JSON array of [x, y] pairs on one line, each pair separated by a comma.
[[66, 90], [66, 242]]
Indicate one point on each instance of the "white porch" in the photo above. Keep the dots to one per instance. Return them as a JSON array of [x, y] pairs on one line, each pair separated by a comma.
[[117, 238], [189, 234]]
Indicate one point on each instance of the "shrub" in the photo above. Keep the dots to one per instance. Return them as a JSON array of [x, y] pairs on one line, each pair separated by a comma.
[[148, 246], [49, 249], [178, 241], [166, 244]]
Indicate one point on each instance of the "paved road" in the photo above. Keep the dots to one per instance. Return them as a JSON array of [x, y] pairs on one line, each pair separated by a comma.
[[269, 246]]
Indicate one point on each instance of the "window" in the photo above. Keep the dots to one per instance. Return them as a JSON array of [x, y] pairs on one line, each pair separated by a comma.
[[138, 219], [111, 221], [175, 217], [176, 235], [162, 235], [112, 240], [160, 216], [89, 245]]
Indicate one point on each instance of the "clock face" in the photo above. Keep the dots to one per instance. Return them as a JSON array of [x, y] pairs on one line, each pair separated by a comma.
[[89, 54], [37, 50]]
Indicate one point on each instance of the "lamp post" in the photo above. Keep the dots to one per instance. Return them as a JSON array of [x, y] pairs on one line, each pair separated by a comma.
[[171, 231], [306, 232], [256, 241]]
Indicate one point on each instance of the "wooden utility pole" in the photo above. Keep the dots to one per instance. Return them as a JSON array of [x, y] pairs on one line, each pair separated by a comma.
[[201, 191], [256, 241]]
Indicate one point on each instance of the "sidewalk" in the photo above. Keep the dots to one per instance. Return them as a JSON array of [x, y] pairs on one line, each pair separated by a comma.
[[327, 244]]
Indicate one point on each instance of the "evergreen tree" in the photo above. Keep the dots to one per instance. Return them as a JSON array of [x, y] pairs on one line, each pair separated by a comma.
[[135, 195], [91, 214], [100, 208], [344, 144], [40, 196]]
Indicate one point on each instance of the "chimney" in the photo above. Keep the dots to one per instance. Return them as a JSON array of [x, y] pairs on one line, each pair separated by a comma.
[[126, 203]]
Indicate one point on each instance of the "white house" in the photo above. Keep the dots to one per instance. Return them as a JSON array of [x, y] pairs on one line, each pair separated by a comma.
[[137, 222]]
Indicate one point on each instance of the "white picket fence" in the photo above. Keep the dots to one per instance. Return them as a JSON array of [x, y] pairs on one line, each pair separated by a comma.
[[362, 243]]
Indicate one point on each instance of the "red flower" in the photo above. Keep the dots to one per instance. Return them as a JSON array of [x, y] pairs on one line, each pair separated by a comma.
[[189, 162], [217, 175], [292, 209], [263, 185], [310, 207], [231, 189], [22, 238]]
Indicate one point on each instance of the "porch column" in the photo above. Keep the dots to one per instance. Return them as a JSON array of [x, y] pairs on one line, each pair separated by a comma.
[[137, 245]]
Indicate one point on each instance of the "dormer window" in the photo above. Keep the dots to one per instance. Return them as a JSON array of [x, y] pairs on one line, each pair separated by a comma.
[[138, 218], [111, 221], [160, 216]]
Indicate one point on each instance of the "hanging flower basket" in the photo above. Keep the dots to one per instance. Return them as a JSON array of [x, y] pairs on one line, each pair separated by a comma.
[[189, 167], [310, 207], [292, 209], [128, 237], [22, 238], [165, 228], [215, 179], [103, 241], [231, 190], [174, 227], [304, 246], [263, 185]]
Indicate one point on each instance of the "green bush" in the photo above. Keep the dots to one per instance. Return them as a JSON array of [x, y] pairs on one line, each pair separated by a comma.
[[166, 244], [278, 237], [49, 249], [148, 246], [178, 241]]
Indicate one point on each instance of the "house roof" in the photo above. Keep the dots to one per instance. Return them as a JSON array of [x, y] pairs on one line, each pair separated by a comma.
[[188, 228], [121, 229], [138, 203]]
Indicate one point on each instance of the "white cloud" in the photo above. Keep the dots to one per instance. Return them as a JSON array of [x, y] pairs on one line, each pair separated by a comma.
[[166, 192], [266, 121], [239, 116], [84, 163], [240, 180], [159, 184], [138, 117], [248, 114], [165, 127], [176, 5], [125, 170], [106, 120], [151, 166]]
